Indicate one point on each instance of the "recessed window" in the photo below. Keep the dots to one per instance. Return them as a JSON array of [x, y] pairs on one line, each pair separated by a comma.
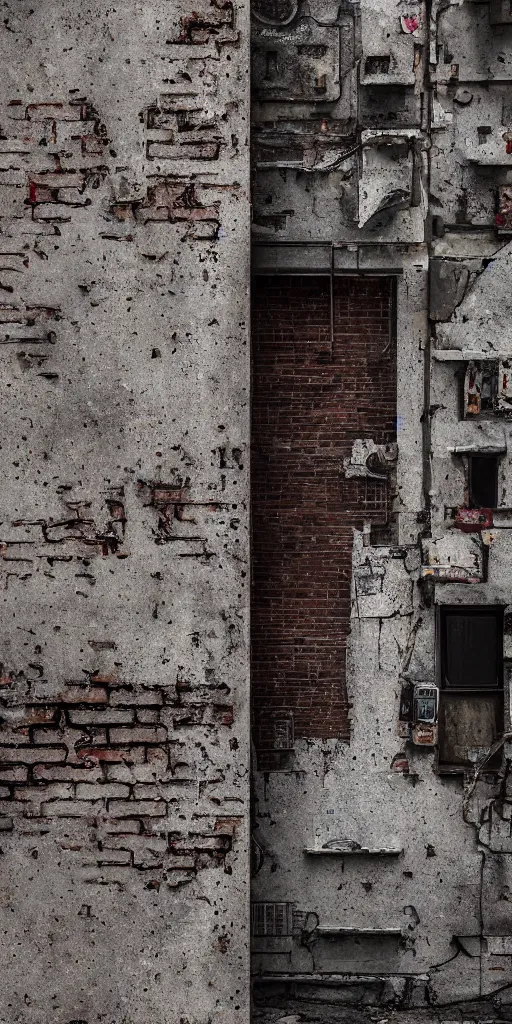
[[471, 641], [484, 131], [483, 481], [480, 389], [377, 65], [471, 683]]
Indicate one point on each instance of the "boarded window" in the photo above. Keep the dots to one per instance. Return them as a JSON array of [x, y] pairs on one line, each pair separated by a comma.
[[471, 698], [472, 641]]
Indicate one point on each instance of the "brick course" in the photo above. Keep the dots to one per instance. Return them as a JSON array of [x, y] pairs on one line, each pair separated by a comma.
[[309, 405], [55, 772]]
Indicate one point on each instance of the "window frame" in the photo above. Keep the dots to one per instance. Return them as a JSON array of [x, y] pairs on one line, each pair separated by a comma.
[[476, 692]]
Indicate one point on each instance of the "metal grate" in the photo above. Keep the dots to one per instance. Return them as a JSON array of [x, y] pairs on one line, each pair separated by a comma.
[[271, 919], [283, 731]]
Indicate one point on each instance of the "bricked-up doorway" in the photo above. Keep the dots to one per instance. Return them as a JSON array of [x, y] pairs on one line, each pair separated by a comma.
[[315, 390]]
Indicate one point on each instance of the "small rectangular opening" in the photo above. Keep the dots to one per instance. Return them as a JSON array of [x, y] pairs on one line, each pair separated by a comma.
[[377, 65], [271, 68], [484, 131], [472, 643], [471, 683], [483, 481], [271, 919]]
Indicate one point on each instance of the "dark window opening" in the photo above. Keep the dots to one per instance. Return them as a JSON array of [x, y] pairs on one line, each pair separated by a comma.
[[377, 65], [471, 684], [471, 641], [483, 481], [484, 130]]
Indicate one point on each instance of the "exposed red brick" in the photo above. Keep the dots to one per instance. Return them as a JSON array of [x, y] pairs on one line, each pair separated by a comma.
[[197, 28], [309, 405], [129, 755], [77, 694]]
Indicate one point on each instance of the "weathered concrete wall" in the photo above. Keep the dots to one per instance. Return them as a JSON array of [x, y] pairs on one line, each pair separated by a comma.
[[124, 427], [395, 157]]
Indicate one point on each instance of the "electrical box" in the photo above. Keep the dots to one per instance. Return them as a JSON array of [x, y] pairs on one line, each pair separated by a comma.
[[425, 710], [417, 717], [425, 704], [283, 730]]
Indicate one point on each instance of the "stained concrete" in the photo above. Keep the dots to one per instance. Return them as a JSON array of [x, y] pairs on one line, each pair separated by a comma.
[[124, 527]]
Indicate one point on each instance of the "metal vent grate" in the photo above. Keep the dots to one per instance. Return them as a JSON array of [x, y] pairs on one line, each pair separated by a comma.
[[271, 918], [283, 732]]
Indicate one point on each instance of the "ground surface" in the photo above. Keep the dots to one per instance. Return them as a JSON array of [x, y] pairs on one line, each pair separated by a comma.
[[309, 1013]]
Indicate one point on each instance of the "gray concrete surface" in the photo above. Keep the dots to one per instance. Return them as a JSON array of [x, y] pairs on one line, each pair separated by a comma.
[[124, 428]]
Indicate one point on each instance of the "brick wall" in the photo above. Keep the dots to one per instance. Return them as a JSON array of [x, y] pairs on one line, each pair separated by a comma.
[[116, 756], [309, 405]]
